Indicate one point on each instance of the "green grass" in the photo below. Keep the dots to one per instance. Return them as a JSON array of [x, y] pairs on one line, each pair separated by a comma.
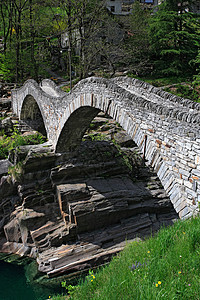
[[185, 92], [166, 266], [180, 88], [166, 81], [163, 81]]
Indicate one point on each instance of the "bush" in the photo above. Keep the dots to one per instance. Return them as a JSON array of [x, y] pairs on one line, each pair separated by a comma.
[[8, 143], [185, 92]]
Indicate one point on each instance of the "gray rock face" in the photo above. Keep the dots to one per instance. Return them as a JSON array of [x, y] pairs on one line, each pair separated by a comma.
[[105, 202], [5, 104], [74, 212], [8, 200], [4, 165], [7, 126], [5, 101]]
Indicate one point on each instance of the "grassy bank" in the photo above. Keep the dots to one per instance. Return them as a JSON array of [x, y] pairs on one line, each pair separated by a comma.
[[180, 86], [166, 266]]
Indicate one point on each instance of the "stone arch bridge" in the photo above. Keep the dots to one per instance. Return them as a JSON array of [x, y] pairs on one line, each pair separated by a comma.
[[165, 127]]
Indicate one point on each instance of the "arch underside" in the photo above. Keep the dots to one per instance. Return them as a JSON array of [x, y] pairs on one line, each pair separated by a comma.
[[75, 127], [32, 116]]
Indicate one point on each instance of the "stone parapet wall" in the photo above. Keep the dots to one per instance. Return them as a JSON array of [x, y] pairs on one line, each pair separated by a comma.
[[127, 82]]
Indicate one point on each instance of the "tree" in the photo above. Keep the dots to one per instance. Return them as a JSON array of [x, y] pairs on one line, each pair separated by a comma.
[[174, 37], [87, 22], [137, 42], [89, 25], [196, 77], [6, 17], [24, 27]]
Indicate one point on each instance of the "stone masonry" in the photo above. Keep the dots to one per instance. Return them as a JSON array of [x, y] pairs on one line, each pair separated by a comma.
[[166, 128]]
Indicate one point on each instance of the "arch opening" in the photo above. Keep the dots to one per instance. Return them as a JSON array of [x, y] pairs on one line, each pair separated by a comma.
[[109, 162], [32, 115], [75, 127]]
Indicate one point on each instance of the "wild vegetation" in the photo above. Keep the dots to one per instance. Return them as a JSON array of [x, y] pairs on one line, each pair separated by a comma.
[[165, 266], [161, 44], [15, 139], [161, 47]]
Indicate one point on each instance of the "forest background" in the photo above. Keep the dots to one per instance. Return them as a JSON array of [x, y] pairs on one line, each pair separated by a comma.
[[162, 42]]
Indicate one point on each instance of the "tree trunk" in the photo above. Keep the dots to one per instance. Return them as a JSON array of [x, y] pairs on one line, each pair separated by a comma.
[[32, 35]]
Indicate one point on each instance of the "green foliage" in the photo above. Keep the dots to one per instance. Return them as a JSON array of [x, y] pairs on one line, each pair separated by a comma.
[[24, 26], [174, 39], [8, 143], [124, 156], [97, 136], [166, 267], [137, 41], [196, 78], [185, 92], [164, 43], [58, 297], [66, 89], [16, 171], [162, 81], [177, 5], [71, 289], [5, 67]]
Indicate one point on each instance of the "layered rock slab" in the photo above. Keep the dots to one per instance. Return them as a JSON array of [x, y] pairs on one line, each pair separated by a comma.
[[74, 212]]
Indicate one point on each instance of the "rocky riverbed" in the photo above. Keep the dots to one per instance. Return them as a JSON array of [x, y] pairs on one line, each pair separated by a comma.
[[72, 212]]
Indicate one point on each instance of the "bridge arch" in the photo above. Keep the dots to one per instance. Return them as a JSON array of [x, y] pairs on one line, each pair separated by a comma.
[[79, 120], [31, 113], [158, 122], [42, 102]]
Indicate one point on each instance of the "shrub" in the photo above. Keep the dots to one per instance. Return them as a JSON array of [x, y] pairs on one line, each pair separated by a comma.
[[8, 143]]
